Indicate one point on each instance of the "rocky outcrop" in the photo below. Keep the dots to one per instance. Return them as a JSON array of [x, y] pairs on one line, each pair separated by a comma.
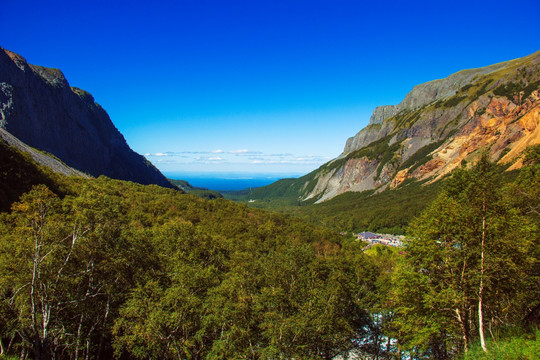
[[345, 178], [419, 96], [38, 106], [437, 126]]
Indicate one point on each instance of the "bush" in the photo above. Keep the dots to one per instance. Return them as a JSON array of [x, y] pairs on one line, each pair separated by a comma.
[[520, 346]]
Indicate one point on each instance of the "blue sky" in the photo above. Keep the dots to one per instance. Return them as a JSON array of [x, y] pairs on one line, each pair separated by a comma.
[[258, 86]]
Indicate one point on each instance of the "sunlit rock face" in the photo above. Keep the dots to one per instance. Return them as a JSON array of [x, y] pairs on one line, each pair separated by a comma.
[[38, 106], [438, 125]]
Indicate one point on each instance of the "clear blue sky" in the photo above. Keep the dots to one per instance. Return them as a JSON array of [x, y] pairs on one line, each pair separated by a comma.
[[258, 86]]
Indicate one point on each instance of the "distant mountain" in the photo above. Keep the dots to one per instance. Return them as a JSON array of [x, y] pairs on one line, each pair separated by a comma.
[[437, 127], [38, 107], [198, 191]]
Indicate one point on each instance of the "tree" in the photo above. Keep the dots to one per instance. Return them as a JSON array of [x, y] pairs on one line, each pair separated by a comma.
[[64, 267], [468, 252], [35, 256], [524, 196]]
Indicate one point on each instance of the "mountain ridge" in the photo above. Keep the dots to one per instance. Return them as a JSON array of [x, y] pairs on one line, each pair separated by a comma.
[[40, 108], [438, 126]]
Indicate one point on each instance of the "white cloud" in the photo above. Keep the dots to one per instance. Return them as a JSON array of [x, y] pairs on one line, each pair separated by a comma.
[[241, 151], [234, 159]]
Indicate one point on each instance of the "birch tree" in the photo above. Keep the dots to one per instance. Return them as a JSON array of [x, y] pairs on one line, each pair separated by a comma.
[[470, 252]]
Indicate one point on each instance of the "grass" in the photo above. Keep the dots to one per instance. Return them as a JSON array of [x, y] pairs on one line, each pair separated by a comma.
[[421, 156], [388, 155], [453, 101], [520, 346], [406, 118]]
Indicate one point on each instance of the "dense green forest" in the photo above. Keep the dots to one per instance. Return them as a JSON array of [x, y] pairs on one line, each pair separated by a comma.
[[198, 191], [100, 268], [388, 211]]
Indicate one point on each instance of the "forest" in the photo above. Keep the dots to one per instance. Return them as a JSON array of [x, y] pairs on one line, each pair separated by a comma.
[[101, 268]]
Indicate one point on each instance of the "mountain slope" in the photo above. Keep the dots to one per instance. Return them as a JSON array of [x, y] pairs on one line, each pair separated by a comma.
[[40, 158], [19, 171], [197, 191], [38, 106], [438, 125]]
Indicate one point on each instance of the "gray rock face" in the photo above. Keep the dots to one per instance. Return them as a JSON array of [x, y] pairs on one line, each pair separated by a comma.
[[438, 125], [41, 158], [38, 106], [419, 96], [381, 113]]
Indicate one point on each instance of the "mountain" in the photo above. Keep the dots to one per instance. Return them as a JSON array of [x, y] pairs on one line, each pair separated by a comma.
[[40, 108], [40, 157], [439, 125], [197, 191]]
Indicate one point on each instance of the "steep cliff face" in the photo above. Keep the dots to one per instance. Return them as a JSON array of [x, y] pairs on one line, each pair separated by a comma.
[[437, 126], [38, 106], [420, 96], [40, 158]]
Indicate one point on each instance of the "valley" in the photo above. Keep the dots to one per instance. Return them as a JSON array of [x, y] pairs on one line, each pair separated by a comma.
[[102, 256]]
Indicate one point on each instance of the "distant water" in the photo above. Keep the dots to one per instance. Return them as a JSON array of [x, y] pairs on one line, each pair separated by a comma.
[[228, 181]]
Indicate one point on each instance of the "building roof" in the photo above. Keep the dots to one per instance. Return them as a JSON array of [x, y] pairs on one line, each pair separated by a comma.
[[368, 235]]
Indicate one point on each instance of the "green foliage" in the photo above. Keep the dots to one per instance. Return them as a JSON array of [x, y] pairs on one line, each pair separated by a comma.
[[280, 194], [18, 173], [203, 193], [466, 88], [406, 118], [503, 153], [98, 267], [207, 194], [421, 156], [282, 188], [387, 156], [472, 251], [532, 86], [481, 88], [453, 101], [388, 211], [524, 345], [147, 272], [513, 89], [508, 90]]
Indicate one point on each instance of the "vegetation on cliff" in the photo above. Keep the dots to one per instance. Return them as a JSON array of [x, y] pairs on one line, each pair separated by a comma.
[[198, 191], [438, 125]]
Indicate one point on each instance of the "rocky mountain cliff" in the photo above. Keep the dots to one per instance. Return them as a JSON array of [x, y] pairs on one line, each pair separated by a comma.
[[438, 125], [38, 106]]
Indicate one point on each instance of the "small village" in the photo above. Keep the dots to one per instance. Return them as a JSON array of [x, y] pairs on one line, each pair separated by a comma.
[[383, 239]]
